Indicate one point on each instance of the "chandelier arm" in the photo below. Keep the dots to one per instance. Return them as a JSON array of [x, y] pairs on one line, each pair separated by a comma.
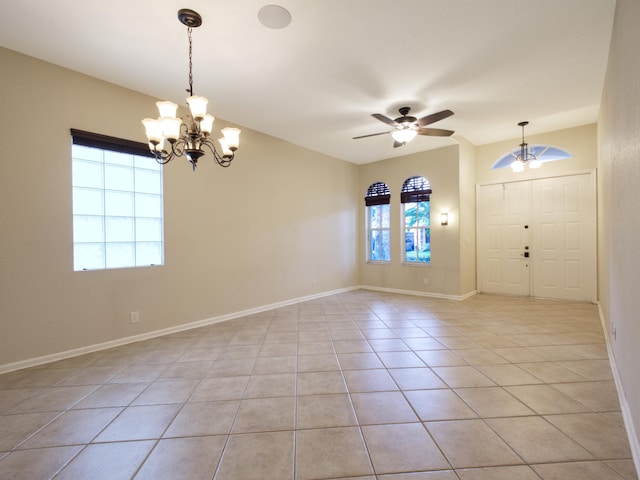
[[222, 160]]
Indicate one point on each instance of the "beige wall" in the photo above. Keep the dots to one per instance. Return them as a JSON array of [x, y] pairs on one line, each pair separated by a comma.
[[619, 202], [441, 167], [279, 224]]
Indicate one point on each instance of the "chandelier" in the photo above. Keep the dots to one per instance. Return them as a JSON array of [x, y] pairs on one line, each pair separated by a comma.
[[170, 136], [525, 157]]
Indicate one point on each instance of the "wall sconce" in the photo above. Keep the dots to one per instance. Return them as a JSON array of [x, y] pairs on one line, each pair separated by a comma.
[[444, 218]]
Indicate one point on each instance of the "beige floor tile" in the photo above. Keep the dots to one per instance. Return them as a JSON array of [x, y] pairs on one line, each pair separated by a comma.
[[537, 441], [439, 475], [581, 470], [271, 385], [139, 373], [508, 375], [316, 348], [463, 376], [480, 356], [416, 378], [278, 350], [237, 367], [625, 468], [267, 365], [10, 399], [331, 453], [440, 358], [187, 370], [220, 388], [382, 407], [194, 458], [167, 391], [552, 372], [318, 383], [599, 396], [112, 395], [423, 343], [400, 359], [471, 443], [16, 428], [107, 461], [498, 473], [318, 363], [359, 361], [599, 436], [489, 402], [381, 332], [377, 380], [139, 423], [546, 400], [204, 418], [236, 352], [351, 346], [388, 345], [265, 415], [518, 354], [92, 376], [324, 411], [257, 456], [55, 399], [592, 369], [402, 448], [73, 427], [38, 464], [441, 404]]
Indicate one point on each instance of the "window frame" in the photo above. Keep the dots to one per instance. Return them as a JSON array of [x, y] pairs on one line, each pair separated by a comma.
[[416, 190], [378, 195], [132, 225]]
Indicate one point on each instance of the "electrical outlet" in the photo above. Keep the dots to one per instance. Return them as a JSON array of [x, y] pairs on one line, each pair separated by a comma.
[[135, 317]]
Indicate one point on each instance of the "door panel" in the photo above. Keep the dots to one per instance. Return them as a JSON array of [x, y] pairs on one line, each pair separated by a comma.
[[503, 212], [565, 239]]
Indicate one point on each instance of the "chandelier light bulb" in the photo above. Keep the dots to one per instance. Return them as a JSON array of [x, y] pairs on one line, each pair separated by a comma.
[[167, 109], [231, 137], [198, 107], [206, 124]]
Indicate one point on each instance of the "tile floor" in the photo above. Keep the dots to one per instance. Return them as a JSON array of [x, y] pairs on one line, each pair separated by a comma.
[[360, 385]]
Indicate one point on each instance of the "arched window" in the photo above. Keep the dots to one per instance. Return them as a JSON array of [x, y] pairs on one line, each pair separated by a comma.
[[416, 221], [378, 225]]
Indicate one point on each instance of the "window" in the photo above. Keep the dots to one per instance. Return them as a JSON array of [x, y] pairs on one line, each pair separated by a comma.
[[416, 212], [117, 203], [378, 225]]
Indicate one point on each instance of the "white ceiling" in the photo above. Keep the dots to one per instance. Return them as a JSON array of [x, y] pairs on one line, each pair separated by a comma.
[[317, 82]]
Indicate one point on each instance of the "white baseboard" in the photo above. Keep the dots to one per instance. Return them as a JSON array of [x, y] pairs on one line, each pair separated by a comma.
[[420, 294], [627, 416], [54, 357]]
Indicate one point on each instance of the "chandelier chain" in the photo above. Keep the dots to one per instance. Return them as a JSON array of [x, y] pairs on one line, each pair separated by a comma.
[[190, 62]]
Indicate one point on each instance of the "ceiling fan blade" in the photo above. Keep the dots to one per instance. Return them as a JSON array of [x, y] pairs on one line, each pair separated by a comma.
[[384, 119], [370, 135], [434, 117], [397, 144], [435, 132]]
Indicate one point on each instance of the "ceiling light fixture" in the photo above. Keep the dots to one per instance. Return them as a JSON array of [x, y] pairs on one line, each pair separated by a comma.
[[188, 137], [525, 157]]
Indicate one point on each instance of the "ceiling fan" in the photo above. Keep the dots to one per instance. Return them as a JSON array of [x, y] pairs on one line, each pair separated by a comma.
[[407, 127]]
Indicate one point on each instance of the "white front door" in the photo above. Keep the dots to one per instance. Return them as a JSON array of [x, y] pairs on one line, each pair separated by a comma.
[[538, 238]]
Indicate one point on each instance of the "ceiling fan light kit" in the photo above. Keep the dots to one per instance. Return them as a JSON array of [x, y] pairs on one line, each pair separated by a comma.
[[188, 137], [407, 127]]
